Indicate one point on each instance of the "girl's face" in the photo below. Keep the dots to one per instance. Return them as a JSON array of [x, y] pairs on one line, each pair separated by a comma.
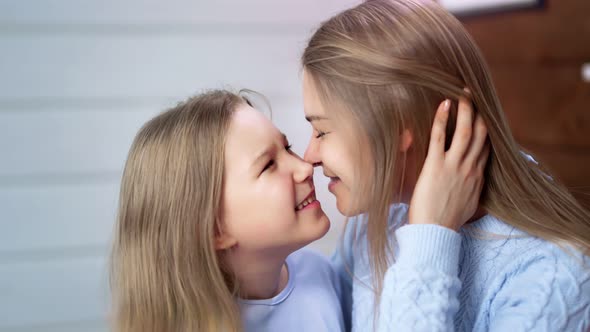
[[269, 199], [329, 147]]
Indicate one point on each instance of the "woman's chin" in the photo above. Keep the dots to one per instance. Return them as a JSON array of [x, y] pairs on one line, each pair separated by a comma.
[[346, 210]]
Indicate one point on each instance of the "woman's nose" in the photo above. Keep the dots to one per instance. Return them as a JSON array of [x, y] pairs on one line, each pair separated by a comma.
[[311, 154]]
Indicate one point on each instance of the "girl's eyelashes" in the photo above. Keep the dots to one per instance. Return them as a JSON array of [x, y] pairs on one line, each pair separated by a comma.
[[271, 162], [268, 165]]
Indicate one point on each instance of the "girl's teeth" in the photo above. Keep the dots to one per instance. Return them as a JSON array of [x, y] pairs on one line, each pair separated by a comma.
[[306, 202]]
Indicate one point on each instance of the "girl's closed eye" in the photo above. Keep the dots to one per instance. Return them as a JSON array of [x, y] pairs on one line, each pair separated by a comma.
[[272, 162], [268, 165]]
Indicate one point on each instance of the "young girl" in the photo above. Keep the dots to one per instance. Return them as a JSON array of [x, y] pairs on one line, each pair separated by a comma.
[[213, 208], [372, 78]]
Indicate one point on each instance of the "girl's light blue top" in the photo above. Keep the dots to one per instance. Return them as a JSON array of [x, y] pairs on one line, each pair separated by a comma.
[[309, 302]]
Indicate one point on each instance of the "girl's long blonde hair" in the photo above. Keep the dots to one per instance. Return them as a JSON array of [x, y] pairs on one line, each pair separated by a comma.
[[385, 66], [165, 272]]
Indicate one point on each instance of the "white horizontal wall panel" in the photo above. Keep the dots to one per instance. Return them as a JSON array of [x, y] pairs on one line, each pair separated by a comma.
[[152, 11], [49, 220], [53, 292], [131, 67]]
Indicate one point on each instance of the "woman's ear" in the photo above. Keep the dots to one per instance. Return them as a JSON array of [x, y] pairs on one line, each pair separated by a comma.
[[223, 239], [406, 139]]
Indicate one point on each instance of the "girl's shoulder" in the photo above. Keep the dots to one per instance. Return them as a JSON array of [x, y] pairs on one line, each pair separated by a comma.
[[308, 256], [311, 269], [308, 262]]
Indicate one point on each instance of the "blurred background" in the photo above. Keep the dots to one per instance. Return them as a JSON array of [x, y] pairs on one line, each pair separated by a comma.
[[79, 77]]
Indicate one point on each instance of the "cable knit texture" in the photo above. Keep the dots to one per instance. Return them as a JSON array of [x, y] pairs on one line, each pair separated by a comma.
[[490, 277]]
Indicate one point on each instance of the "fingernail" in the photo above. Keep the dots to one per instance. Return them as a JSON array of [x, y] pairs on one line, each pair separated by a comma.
[[446, 105]]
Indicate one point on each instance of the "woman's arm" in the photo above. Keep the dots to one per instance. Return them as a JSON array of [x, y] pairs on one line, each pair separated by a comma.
[[421, 289], [549, 291]]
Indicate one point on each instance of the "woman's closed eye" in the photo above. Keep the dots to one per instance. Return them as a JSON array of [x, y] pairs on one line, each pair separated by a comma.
[[321, 134]]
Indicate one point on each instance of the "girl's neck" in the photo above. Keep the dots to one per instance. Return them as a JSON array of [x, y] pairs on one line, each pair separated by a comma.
[[260, 276]]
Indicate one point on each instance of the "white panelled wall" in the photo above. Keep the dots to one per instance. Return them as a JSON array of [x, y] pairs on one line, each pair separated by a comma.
[[77, 80]]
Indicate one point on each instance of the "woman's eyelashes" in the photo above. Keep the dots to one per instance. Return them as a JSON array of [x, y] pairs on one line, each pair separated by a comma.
[[320, 134]]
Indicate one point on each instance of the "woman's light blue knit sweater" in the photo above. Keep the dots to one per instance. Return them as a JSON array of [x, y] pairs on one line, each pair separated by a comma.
[[489, 277]]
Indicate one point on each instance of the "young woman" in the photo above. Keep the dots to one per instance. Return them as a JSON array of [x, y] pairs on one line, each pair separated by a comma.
[[373, 75]]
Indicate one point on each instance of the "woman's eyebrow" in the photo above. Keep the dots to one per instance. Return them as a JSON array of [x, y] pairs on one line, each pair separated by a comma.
[[312, 118]]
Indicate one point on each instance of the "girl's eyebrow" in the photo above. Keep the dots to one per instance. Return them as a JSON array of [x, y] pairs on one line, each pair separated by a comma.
[[262, 156], [267, 151]]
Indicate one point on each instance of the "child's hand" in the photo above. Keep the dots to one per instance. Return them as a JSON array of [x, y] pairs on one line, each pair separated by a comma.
[[448, 189]]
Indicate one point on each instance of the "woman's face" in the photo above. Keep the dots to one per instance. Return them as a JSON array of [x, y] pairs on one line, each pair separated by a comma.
[[330, 147]]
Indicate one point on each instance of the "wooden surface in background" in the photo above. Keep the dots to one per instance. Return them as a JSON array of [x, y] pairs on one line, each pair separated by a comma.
[[559, 32], [536, 57]]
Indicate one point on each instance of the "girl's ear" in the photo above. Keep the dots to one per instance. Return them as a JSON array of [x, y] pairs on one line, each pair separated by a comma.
[[406, 139], [223, 240]]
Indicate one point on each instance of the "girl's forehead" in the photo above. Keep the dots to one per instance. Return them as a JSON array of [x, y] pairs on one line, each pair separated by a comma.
[[249, 132], [246, 119]]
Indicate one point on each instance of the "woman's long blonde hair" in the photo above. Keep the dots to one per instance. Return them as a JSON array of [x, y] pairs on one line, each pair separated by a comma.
[[165, 272], [386, 66]]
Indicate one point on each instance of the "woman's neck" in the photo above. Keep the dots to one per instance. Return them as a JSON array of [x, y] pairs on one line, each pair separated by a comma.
[[479, 213]]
